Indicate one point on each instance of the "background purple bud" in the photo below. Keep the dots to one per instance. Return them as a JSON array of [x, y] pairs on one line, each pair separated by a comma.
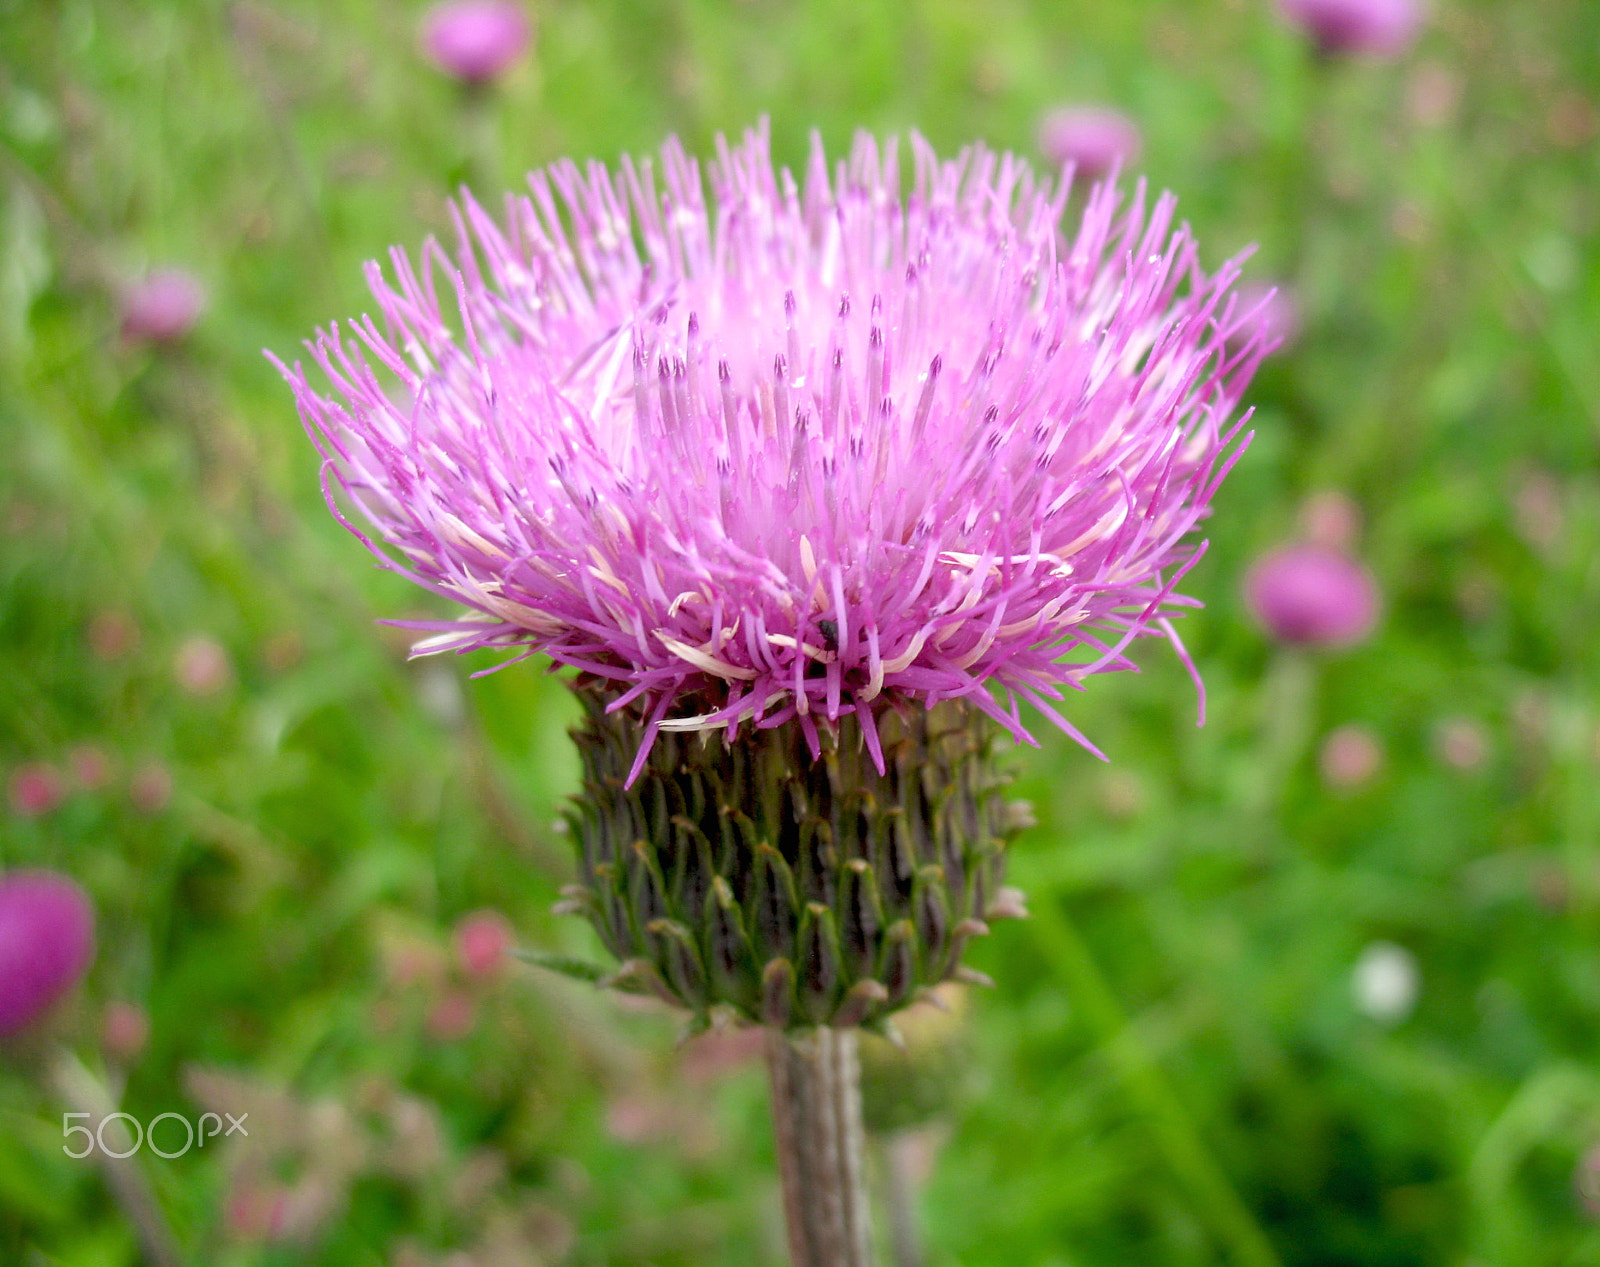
[[1094, 138], [36, 788], [475, 40], [1351, 756], [1377, 28], [46, 944], [1313, 595], [162, 307]]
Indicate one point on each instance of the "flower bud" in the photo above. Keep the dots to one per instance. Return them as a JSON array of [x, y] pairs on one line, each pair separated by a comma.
[[124, 1031], [1312, 595], [1376, 28], [475, 40], [1092, 138], [790, 890], [162, 307], [483, 942], [36, 788], [46, 944]]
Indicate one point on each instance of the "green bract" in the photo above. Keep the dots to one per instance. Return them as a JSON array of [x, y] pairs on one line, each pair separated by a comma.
[[750, 878]]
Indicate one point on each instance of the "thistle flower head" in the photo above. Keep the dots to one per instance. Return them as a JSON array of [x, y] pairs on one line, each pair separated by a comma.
[[46, 944], [475, 40], [1374, 28], [1095, 139], [799, 451], [1313, 595], [162, 306]]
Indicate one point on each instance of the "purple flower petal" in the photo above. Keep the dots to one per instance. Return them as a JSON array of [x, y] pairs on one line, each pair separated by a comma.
[[813, 447]]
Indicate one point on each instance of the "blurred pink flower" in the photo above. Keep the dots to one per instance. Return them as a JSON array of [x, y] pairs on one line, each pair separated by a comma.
[[91, 768], [1539, 507], [201, 666], [257, 1209], [1462, 742], [483, 942], [1094, 138], [1331, 519], [150, 788], [112, 634], [409, 961], [475, 40], [162, 307], [1351, 756], [1377, 28], [36, 789], [452, 1017], [1311, 595], [124, 1030], [1433, 94], [46, 944]]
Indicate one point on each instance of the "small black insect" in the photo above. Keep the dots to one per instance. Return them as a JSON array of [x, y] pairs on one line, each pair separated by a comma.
[[830, 634]]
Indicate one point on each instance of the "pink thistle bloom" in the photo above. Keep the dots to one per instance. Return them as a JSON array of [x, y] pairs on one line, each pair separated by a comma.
[[162, 307], [452, 1016], [1313, 595], [46, 944], [483, 943], [201, 666], [36, 789], [1094, 139], [1351, 756], [475, 40], [809, 450], [124, 1030], [150, 788], [1377, 28], [90, 767]]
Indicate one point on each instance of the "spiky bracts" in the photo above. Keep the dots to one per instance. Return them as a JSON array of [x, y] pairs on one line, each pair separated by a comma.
[[803, 448], [754, 880]]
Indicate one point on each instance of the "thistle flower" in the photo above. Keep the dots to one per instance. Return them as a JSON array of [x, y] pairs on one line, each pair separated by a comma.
[[1279, 313], [475, 40], [46, 944], [1313, 595], [830, 469], [1095, 139], [162, 307], [36, 788], [1376, 28]]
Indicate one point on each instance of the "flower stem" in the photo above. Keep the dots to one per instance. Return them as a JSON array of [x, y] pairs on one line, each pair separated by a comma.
[[816, 1115], [129, 1185]]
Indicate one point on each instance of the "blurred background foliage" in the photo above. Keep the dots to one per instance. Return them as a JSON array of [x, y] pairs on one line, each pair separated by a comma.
[[1190, 1057]]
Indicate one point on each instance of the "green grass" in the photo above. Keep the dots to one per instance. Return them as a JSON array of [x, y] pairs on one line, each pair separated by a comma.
[[1172, 1069]]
